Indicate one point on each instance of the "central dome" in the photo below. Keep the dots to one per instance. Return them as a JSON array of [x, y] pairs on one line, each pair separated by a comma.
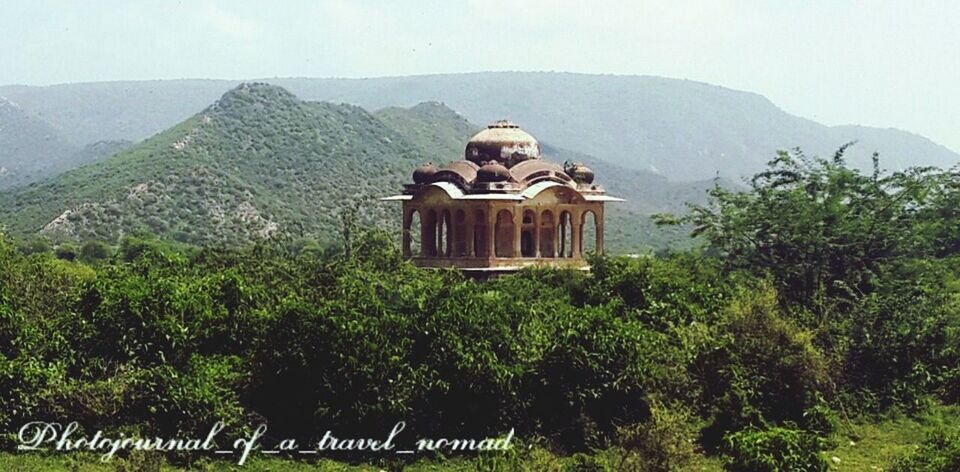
[[504, 142]]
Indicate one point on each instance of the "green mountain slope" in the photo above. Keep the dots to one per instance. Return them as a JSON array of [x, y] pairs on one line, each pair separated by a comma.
[[682, 129], [29, 148], [256, 163], [260, 162], [431, 125]]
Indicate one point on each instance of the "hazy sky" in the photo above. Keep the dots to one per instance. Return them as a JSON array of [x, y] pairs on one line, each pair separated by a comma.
[[883, 63]]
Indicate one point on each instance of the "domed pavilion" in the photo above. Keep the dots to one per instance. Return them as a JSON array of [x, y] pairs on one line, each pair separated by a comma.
[[502, 207]]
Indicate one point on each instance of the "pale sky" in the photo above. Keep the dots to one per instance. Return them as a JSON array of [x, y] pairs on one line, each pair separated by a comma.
[[880, 63]]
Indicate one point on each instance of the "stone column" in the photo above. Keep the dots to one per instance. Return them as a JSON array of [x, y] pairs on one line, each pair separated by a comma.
[[407, 221], [469, 229], [577, 227], [536, 234], [491, 232], [448, 224], [426, 234], [517, 231], [599, 217], [557, 233]]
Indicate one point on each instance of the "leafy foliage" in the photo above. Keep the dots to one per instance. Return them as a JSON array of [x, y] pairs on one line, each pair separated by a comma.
[[775, 449], [765, 346], [939, 453]]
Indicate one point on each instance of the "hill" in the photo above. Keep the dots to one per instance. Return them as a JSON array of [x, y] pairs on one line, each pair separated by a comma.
[[29, 148], [681, 129], [256, 163], [260, 162]]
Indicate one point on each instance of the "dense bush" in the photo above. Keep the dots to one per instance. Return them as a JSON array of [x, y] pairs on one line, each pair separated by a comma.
[[666, 441], [763, 369], [939, 453], [774, 450], [760, 346]]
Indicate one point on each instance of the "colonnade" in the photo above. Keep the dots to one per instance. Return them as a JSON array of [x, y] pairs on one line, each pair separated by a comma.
[[501, 232]]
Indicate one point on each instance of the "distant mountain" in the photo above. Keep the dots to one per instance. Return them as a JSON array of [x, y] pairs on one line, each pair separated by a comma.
[[29, 148], [681, 129], [259, 162], [85, 113], [434, 126], [99, 150]]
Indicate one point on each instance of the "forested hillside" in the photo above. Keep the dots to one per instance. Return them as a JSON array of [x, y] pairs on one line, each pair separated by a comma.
[[261, 163], [257, 163]]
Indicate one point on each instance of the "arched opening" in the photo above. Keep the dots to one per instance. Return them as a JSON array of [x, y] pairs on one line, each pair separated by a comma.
[[588, 232], [566, 234], [504, 234], [429, 234], [480, 234], [548, 231], [440, 235], [527, 236], [460, 234], [411, 235]]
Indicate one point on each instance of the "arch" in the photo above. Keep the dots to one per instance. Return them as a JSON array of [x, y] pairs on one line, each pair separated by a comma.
[[566, 234], [589, 229], [480, 234], [439, 237], [444, 234], [528, 245], [428, 234], [504, 234], [459, 233], [548, 233], [411, 234]]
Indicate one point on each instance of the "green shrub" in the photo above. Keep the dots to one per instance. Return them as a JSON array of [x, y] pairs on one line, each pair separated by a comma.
[[904, 344], [821, 419], [93, 251], [766, 370], [66, 251], [776, 449], [663, 443], [940, 452]]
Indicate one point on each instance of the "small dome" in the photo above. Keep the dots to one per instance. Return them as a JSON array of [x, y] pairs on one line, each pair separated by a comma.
[[493, 171], [461, 172], [580, 173], [504, 142], [424, 173]]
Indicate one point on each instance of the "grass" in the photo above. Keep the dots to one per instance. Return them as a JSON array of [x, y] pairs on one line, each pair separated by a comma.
[[871, 445]]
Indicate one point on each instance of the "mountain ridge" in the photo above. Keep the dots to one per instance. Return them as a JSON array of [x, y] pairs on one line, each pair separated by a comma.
[[29, 147], [685, 129]]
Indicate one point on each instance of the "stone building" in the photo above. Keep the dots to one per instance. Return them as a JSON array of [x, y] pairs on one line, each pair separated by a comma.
[[502, 207]]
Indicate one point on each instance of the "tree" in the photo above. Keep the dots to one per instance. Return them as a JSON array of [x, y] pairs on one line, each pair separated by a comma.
[[820, 229]]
